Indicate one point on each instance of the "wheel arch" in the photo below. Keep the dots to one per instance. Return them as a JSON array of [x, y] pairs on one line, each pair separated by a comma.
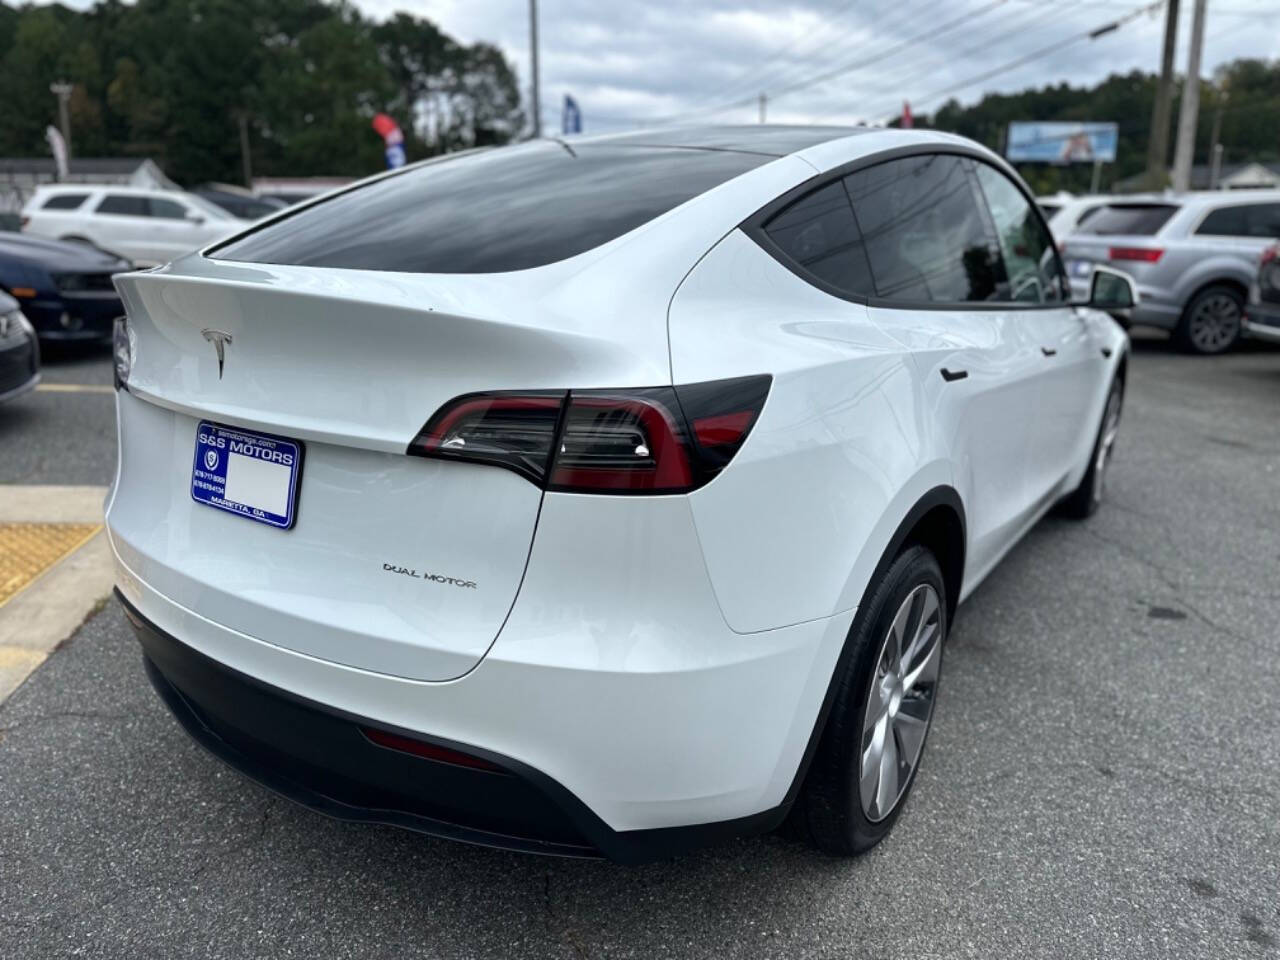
[[936, 521], [1234, 282]]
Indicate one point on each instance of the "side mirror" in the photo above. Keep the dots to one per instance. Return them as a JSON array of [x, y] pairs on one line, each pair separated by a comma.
[[1112, 291]]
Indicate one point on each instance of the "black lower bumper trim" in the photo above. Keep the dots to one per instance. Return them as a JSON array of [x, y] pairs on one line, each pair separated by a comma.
[[317, 756]]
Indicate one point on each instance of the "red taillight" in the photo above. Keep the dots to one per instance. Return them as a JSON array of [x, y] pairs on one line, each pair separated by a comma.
[[621, 442], [420, 748], [22, 222], [602, 441], [1140, 254], [1269, 254]]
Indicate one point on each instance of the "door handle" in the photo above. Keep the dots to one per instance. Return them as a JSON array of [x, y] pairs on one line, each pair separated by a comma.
[[1049, 351], [950, 375]]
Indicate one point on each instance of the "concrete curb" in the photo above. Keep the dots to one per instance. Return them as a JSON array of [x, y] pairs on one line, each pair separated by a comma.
[[50, 608]]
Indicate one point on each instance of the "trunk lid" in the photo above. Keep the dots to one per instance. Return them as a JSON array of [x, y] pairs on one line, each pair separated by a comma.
[[396, 564]]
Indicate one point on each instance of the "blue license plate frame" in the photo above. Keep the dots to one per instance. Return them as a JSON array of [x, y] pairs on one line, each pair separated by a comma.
[[253, 461]]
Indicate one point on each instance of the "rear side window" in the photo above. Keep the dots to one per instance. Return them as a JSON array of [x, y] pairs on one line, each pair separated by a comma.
[[493, 211], [64, 201], [1251, 220], [819, 234], [1128, 219], [124, 205], [925, 231]]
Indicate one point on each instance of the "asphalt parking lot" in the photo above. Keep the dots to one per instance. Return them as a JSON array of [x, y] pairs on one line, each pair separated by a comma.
[[1103, 778]]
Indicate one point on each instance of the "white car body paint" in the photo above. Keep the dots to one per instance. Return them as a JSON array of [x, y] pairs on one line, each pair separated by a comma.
[[663, 658]]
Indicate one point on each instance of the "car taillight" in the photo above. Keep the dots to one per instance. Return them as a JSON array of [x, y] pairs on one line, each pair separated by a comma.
[[1141, 254], [639, 441], [22, 222], [1269, 254]]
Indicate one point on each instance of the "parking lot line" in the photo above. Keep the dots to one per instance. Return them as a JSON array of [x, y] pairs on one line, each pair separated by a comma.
[[75, 388], [55, 570]]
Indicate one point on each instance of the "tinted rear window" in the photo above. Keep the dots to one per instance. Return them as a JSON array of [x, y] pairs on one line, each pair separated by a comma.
[[819, 233], [1130, 219], [1254, 220], [64, 201], [489, 212], [124, 205]]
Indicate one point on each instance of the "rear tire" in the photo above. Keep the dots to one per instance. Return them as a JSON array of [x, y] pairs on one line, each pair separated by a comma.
[[1085, 499], [874, 739], [1211, 324]]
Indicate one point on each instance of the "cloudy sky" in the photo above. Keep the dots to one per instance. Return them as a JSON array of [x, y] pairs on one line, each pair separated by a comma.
[[632, 62]]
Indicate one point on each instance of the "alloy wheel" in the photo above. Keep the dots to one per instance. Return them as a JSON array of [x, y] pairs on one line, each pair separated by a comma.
[[900, 702], [1215, 323], [1106, 443]]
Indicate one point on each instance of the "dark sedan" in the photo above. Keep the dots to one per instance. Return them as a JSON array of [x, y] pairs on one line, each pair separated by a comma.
[[19, 351], [64, 289]]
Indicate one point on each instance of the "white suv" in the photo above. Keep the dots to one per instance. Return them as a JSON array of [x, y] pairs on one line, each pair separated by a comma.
[[607, 497], [145, 226]]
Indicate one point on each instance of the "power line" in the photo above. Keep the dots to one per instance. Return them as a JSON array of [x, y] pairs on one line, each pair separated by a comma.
[[850, 66], [1036, 54], [757, 72]]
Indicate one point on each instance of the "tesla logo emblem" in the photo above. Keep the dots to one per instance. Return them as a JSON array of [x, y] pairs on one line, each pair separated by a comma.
[[219, 341]]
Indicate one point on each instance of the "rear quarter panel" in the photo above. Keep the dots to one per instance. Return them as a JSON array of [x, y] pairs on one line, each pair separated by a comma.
[[793, 528]]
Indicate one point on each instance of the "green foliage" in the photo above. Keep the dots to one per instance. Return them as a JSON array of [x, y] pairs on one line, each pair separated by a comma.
[[170, 79], [1247, 90]]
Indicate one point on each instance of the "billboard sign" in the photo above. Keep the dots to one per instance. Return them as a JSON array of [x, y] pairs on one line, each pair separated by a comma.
[[1059, 142]]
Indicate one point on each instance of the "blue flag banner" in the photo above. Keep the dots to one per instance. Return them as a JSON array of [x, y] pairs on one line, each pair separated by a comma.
[[570, 116]]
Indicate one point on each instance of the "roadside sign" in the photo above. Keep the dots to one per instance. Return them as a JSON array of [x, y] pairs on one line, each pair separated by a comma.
[[1062, 142]]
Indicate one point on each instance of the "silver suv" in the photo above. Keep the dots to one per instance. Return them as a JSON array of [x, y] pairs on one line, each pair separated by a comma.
[[1192, 255]]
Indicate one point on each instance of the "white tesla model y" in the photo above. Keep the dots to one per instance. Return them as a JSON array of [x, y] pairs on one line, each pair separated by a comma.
[[602, 497]]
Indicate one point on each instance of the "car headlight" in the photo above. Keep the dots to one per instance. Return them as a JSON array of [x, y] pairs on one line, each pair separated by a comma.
[[15, 320], [122, 351]]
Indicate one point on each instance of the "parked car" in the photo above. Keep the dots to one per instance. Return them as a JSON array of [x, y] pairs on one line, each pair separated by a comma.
[[238, 201], [1072, 212], [1262, 319], [146, 226], [65, 288], [19, 351], [1193, 257], [605, 500]]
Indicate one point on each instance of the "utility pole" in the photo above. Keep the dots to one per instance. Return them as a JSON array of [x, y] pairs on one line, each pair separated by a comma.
[[245, 164], [1215, 148], [1184, 155], [62, 90], [533, 60], [764, 100], [1158, 141]]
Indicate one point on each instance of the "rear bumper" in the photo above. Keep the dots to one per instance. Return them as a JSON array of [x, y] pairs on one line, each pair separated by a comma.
[[317, 755], [1262, 323], [1153, 309]]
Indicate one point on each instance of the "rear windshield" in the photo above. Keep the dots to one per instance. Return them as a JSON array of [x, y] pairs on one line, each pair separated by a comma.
[[492, 211], [1130, 219]]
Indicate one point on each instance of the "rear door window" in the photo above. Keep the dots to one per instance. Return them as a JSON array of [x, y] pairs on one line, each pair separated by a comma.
[[1264, 220], [124, 205], [1127, 219], [927, 236], [818, 234], [64, 201], [492, 211], [166, 209]]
